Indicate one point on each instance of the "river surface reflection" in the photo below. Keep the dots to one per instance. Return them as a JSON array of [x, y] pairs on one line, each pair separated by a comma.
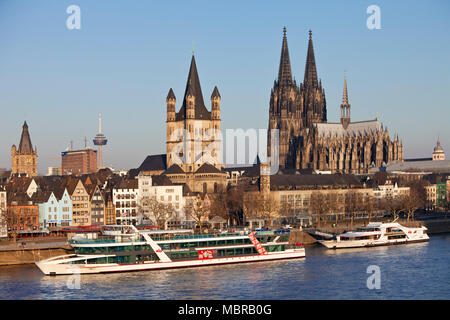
[[413, 271]]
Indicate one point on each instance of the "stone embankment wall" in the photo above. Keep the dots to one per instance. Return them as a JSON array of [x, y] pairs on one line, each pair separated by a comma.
[[299, 236], [30, 251], [27, 256], [437, 226]]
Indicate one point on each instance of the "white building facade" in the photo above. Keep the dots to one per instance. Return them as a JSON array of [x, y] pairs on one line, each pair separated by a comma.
[[389, 190], [125, 198], [167, 194]]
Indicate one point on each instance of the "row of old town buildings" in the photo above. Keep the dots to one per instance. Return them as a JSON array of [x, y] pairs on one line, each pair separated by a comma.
[[325, 169]]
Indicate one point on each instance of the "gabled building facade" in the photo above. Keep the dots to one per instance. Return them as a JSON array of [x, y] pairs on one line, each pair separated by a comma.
[[22, 214], [81, 214], [97, 206], [55, 209]]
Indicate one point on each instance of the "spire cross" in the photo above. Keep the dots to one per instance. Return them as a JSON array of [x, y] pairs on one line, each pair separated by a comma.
[[192, 48]]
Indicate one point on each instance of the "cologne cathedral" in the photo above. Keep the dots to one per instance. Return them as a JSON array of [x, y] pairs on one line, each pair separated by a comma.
[[308, 141]]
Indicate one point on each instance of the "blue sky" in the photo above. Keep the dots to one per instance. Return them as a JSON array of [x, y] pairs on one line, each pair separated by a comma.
[[128, 54]]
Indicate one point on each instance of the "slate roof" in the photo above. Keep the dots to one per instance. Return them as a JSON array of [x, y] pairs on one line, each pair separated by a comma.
[[215, 93], [354, 129], [25, 146], [133, 173], [171, 95], [314, 180], [161, 180], [193, 88], [21, 198], [428, 165], [295, 171], [207, 168], [154, 163], [174, 169], [41, 196], [70, 183], [128, 184]]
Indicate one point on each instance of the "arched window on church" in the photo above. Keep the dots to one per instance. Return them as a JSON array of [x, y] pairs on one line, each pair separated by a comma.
[[205, 187]]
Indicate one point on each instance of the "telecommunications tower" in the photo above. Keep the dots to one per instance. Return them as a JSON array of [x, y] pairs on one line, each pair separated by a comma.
[[100, 140]]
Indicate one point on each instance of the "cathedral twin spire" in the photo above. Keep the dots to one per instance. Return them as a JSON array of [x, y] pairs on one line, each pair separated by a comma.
[[285, 73], [310, 79], [307, 101]]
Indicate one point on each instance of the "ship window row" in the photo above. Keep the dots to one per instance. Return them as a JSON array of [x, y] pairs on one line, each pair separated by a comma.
[[88, 250], [211, 243]]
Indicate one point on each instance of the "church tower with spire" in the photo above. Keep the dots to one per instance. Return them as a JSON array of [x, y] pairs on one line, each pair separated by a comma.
[[311, 91], [24, 158], [193, 133], [345, 107], [285, 112]]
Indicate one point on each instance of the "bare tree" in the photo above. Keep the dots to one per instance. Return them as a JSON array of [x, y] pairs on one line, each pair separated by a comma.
[[159, 212], [219, 205], [252, 204], [198, 211], [287, 210], [351, 205], [235, 203], [270, 209], [267, 207], [415, 199], [394, 204], [319, 204], [333, 205], [370, 207], [12, 221]]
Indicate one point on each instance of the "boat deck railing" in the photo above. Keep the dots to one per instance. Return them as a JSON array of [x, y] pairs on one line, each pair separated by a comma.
[[199, 236], [175, 237], [90, 241]]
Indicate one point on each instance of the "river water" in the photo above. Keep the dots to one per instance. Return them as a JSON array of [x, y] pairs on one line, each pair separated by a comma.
[[412, 271]]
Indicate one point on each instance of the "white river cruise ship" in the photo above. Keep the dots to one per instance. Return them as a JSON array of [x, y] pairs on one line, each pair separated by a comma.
[[125, 248], [377, 234]]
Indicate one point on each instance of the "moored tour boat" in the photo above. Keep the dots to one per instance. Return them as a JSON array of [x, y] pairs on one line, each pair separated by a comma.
[[377, 234], [125, 248]]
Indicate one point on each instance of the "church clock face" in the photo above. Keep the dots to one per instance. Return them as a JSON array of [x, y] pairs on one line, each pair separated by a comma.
[[28, 161]]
